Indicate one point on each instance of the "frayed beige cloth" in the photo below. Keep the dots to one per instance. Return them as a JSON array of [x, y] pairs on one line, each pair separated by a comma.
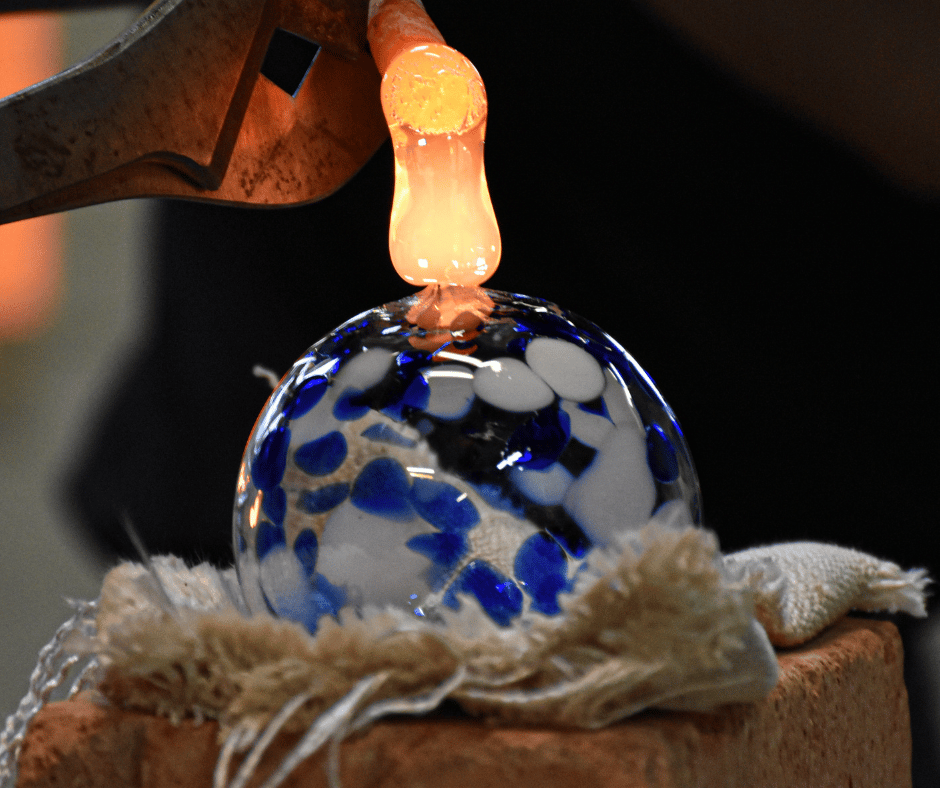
[[663, 620], [659, 623], [803, 587]]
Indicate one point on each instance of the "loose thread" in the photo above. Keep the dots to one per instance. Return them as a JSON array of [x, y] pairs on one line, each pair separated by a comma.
[[325, 727]]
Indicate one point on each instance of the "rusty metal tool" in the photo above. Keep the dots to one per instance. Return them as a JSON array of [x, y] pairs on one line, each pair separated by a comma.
[[176, 106]]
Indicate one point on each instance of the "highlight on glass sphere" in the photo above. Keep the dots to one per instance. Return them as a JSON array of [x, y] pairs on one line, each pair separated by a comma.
[[443, 229], [405, 464]]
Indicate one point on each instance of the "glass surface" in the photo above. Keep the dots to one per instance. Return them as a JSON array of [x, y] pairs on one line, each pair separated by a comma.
[[400, 465]]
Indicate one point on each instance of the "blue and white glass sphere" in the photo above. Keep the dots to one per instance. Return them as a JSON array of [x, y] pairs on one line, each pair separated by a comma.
[[387, 470]]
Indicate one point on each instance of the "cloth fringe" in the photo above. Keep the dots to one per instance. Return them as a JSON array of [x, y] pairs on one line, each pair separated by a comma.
[[52, 669]]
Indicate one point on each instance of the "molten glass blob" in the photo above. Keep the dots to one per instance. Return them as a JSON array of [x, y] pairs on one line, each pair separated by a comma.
[[443, 229], [392, 468]]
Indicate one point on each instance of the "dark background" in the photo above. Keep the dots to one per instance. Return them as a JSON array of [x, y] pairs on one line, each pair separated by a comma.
[[773, 284]]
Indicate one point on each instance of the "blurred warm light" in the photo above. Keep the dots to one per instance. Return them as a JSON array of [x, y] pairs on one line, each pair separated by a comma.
[[443, 229], [31, 250]]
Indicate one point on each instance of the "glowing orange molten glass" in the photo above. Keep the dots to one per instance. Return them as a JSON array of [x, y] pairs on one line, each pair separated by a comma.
[[443, 229]]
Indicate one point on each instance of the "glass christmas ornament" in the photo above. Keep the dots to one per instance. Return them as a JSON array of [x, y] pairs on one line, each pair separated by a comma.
[[460, 446]]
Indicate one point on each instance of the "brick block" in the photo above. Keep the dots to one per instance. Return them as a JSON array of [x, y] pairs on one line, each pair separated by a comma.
[[838, 718]]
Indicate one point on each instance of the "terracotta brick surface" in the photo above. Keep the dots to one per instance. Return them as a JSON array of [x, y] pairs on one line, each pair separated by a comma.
[[837, 718]]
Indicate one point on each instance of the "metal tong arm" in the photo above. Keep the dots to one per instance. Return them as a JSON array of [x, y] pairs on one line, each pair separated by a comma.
[[175, 107]]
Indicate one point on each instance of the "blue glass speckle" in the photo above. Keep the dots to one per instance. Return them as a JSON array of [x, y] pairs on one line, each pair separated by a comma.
[[540, 440], [443, 505], [661, 455], [541, 567], [274, 505], [415, 397], [516, 346], [350, 406], [417, 393], [306, 398], [450, 598], [268, 536], [384, 433], [322, 456], [268, 467], [445, 549], [306, 548], [382, 488], [329, 599], [324, 599], [324, 498], [496, 593]]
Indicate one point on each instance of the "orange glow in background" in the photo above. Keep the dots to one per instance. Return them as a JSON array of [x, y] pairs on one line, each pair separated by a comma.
[[443, 229], [30, 250]]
